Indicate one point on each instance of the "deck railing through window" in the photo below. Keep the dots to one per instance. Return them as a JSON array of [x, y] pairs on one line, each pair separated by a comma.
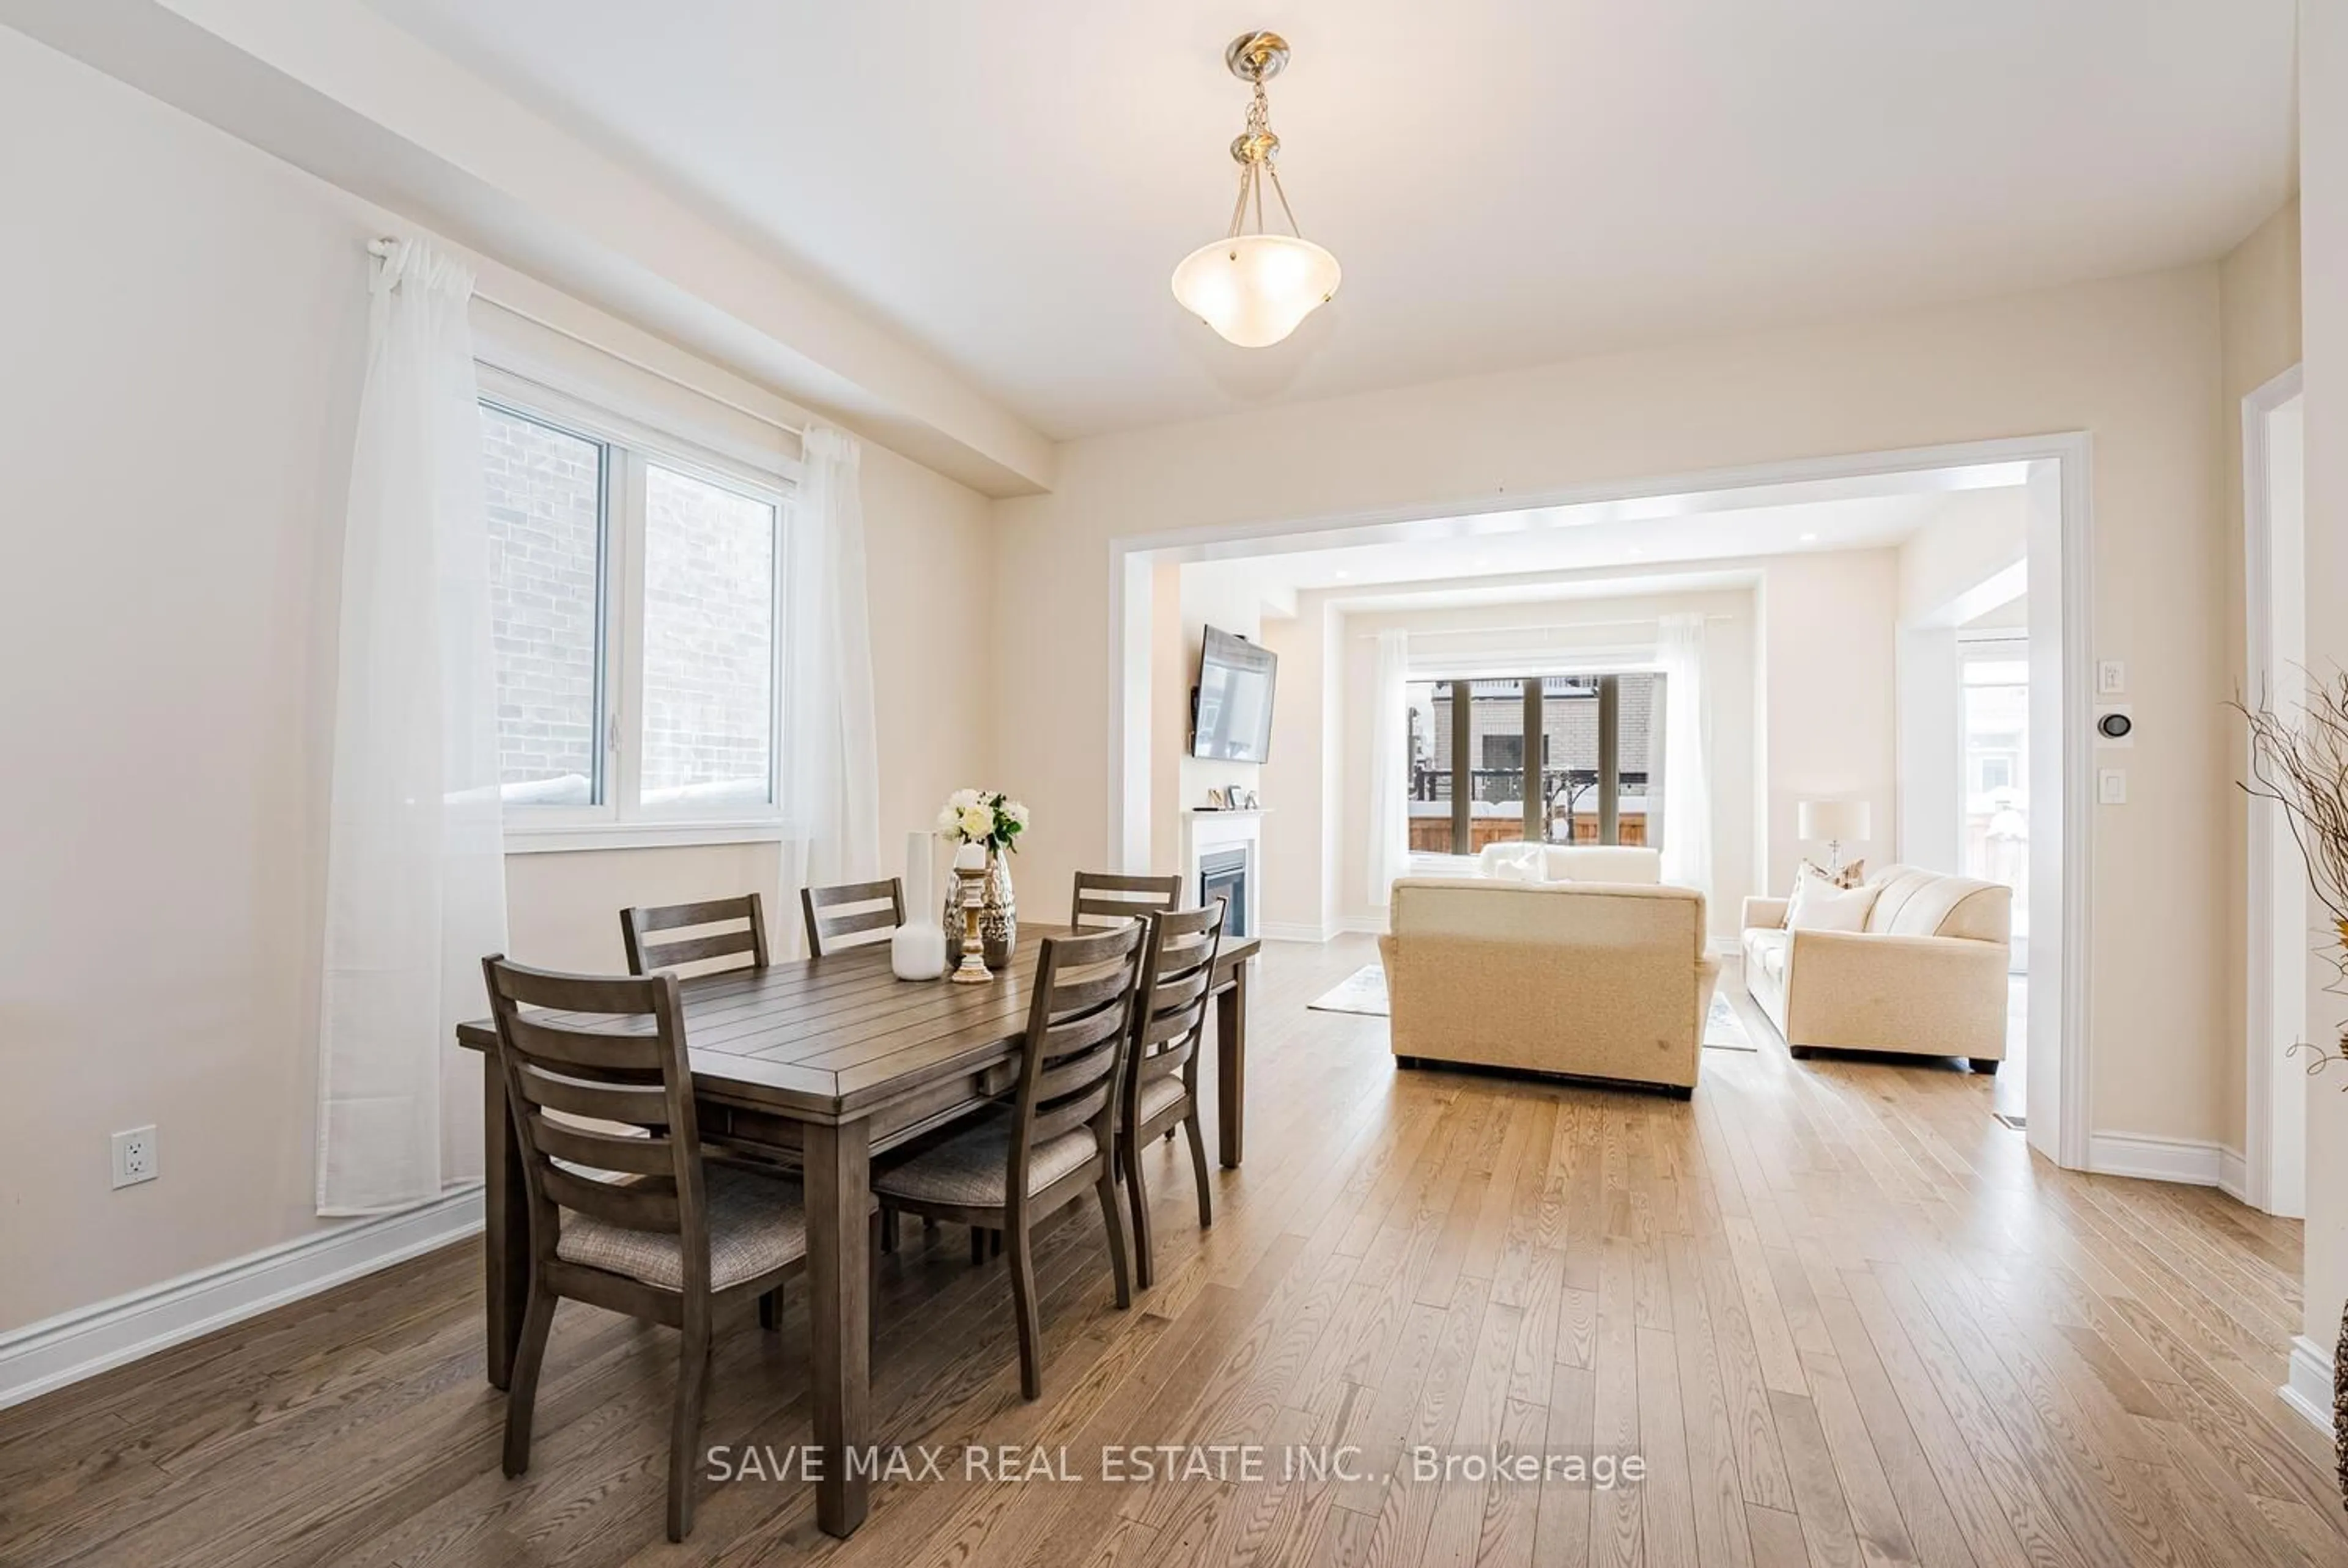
[[1473, 783]]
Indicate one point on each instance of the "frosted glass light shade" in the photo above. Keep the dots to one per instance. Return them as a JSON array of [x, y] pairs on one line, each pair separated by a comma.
[[1254, 289], [1832, 821]]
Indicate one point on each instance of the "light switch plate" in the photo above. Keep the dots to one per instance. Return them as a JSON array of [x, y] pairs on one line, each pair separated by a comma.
[[2111, 678], [2111, 786]]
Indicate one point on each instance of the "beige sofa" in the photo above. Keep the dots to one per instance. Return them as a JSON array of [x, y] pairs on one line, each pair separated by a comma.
[[1593, 979], [1927, 976]]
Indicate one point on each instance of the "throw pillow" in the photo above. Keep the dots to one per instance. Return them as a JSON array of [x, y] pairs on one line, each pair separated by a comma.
[[1819, 906], [1516, 863], [1853, 873]]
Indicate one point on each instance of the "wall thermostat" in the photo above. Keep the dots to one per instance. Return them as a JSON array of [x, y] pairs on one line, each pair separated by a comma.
[[2115, 727]]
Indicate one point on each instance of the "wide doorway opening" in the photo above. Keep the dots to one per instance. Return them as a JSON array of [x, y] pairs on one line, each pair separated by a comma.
[[1454, 680]]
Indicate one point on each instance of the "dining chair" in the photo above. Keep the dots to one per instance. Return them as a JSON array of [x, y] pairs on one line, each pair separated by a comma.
[[1160, 1088], [1016, 1164], [745, 917], [855, 915], [1107, 897], [623, 1214]]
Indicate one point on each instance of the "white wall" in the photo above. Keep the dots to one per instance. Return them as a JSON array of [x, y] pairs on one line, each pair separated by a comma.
[[1968, 560], [1930, 750], [2323, 267], [183, 358], [1829, 701], [1974, 538], [2260, 298], [2133, 360], [1305, 782], [1223, 595]]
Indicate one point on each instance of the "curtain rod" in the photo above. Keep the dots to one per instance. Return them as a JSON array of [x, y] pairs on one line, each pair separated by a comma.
[[1512, 631]]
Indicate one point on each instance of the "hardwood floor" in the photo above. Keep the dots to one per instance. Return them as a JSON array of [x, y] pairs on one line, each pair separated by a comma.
[[1833, 1307]]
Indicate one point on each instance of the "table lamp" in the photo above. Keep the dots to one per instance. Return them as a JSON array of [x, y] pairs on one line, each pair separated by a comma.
[[1831, 822]]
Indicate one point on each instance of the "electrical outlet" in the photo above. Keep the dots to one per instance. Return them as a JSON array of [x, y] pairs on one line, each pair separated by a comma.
[[134, 1157], [2111, 678]]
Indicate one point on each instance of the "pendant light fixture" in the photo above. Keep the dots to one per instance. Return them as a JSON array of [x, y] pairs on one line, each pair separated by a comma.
[[1253, 286]]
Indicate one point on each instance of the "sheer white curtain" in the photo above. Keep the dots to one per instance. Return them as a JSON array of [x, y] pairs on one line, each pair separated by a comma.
[[414, 864], [831, 760], [1389, 767], [1687, 765]]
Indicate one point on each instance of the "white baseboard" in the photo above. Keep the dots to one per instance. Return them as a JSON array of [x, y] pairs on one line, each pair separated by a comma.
[[1285, 931], [2310, 1390], [2233, 1175], [2194, 1161], [83, 1343], [1364, 924]]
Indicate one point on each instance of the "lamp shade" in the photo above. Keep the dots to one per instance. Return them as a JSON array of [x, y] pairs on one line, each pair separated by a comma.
[[1254, 289], [1832, 821]]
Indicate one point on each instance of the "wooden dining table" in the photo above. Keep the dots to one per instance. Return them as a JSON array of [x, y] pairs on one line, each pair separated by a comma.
[[823, 1063]]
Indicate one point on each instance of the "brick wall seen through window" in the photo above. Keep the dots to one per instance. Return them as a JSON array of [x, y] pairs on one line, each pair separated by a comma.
[[709, 642], [544, 490]]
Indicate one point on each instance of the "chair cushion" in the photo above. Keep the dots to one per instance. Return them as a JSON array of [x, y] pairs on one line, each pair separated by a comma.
[[1158, 1093], [758, 1223], [972, 1168], [1768, 950]]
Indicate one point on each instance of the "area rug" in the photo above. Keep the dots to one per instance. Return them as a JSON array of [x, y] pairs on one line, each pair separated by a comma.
[[1364, 991], [1723, 1030]]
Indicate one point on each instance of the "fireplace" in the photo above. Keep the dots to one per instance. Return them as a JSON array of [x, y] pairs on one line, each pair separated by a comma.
[[1223, 873]]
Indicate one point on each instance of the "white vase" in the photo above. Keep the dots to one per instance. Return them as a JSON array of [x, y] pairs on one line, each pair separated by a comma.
[[917, 950]]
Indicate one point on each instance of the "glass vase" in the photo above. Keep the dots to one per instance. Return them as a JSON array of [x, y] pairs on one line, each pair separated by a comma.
[[998, 914]]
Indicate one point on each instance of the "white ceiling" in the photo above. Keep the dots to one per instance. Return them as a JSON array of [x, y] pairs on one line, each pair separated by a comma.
[[1532, 553], [1505, 183], [1465, 562]]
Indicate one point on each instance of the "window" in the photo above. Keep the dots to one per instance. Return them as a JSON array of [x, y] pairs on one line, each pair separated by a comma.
[[636, 603], [544, 491], [709, 643], [1600, 743]]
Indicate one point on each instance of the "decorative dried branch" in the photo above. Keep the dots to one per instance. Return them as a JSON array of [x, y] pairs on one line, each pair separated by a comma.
[[2300, 762]]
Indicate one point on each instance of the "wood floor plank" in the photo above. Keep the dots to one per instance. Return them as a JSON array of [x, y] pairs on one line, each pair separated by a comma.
[[1561, 1517], [1839, 1312], [1818, 1500], [1667, 1503], [1614, 1522]]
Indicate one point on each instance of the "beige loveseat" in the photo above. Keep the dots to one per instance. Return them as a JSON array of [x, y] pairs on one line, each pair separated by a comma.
[[1927, 976], [1595, 979]]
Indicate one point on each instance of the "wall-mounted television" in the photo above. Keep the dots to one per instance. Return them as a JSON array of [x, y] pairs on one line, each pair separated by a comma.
[[1230, 707]]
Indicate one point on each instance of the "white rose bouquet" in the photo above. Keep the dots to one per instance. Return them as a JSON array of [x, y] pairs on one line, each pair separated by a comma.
[[983, 816]]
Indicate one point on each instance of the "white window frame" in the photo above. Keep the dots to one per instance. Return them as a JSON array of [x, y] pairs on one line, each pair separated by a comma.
[[631, 446]]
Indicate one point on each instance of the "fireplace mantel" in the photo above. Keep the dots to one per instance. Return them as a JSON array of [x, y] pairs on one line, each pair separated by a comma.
[[1206, 833]]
